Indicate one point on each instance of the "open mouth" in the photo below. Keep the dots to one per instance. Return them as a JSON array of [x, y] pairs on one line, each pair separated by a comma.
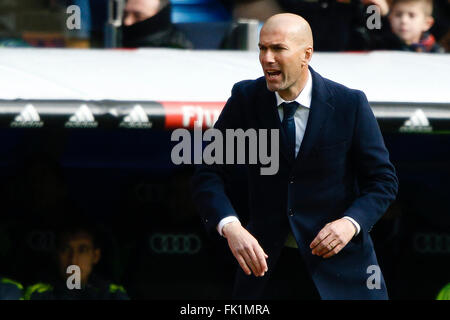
[[273, 74]]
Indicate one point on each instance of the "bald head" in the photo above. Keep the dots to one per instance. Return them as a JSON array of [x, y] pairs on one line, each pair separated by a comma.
[[285, 50], [296, 27]]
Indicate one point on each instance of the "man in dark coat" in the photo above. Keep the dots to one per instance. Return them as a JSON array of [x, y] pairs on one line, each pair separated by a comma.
[[334, 181]]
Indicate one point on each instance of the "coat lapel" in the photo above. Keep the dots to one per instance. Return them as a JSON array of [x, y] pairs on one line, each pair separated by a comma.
[[320, 111]]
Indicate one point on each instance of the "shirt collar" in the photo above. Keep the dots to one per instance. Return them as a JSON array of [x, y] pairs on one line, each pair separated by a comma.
[[304, 98]]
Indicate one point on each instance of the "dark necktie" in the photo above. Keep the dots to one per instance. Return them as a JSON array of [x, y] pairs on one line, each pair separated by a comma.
[[288, 125]]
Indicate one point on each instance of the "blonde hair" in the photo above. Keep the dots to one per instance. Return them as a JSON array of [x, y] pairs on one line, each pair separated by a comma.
[[427, 5]]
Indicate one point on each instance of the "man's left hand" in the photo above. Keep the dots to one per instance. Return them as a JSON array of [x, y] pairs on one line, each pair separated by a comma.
[[332, 238]]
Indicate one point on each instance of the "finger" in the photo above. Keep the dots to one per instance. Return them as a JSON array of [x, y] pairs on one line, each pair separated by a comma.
[[265, 255], [320, 245], [320, 237], [261, 256], [334, 251], [324, 248], [255, 261], [327, 245], [243, 264], [249, 262]]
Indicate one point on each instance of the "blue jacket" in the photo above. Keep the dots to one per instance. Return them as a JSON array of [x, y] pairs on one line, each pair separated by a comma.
[[342, 169]]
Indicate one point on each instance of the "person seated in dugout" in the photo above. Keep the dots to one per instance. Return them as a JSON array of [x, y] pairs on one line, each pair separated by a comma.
[[406, 28], [10, 289], [147, 23], [77, 246]]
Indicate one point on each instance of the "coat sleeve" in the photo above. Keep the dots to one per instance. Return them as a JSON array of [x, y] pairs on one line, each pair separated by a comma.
[[377, 180], [208, 181]]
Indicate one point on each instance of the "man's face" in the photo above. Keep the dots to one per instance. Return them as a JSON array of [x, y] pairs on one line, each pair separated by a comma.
[[78, 250], [139, 10], [408, 21], [282, 58]]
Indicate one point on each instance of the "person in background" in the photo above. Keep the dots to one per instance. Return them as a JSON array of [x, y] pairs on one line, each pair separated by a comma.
[[406, 28], [338, 25], [254, 9], [77, 245], [10, 289], [410, 21], [147, 23]]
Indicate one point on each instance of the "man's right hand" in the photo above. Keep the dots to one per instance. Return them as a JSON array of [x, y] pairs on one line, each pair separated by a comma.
[[245, 249]]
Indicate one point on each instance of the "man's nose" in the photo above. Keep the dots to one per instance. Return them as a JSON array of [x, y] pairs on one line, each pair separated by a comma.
[[267, 57]]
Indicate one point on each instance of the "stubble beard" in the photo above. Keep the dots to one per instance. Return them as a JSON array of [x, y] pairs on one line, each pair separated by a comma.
[[275, 87]]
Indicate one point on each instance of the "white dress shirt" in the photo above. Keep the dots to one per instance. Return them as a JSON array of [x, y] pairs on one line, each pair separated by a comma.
[[301, 119]]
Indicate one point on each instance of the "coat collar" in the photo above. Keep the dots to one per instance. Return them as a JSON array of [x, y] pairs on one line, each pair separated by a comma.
[[320, 110]]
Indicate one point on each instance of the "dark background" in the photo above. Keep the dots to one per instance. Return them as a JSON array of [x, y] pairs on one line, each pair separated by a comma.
[[124, 181]]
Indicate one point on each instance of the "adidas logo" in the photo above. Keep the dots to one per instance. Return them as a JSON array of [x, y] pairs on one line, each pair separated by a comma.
[[28, 118], [137, 118], [82, 118], [418, 122]]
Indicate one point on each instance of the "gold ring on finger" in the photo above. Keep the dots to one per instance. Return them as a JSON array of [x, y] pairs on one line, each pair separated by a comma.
[[330, 245]]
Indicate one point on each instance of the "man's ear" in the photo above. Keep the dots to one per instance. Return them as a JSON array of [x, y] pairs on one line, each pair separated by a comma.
[[429, 21], [308, 54], [97, 255]]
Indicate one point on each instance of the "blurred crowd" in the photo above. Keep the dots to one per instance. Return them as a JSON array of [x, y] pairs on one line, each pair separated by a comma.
[[338, 25]]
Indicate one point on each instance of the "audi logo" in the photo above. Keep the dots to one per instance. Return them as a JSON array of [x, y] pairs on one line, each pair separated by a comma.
[[175, 243], [432, 243]]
